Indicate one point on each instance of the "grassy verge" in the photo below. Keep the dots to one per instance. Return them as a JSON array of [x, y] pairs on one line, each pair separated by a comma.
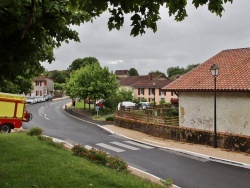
[[81, 105], [29, 162]]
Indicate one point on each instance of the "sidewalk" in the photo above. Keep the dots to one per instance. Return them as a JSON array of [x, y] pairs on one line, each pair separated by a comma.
[[210, 153]]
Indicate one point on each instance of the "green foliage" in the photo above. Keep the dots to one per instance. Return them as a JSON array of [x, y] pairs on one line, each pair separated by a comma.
[[92, 82], [110, 118], [58, 76], [157, 73], [58, 86], [29, 32], [79, 63], [173, 112], [145, 14], [35, 131], [177, 71], [162, 101], [100, 157], [133, 72]]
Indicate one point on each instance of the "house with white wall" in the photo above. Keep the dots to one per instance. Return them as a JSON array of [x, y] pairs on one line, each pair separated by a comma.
[[196, 94], [42, 86]]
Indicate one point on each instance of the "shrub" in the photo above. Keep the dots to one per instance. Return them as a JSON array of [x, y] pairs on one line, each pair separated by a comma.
[[110, 118], [173, 112], [162, 101], [100, 157], [35, 131]]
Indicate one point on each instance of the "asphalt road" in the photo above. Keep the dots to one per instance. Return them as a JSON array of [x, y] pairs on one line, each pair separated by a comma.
[[185, 170]]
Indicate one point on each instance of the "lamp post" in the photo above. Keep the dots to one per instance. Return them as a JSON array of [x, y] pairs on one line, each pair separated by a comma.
[[154, 93], [215, 71]]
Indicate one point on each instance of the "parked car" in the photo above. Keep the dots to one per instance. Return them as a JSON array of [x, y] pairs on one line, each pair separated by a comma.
[[48, 97], [127, 105], [30, 100], [40, 98], [145, 105]]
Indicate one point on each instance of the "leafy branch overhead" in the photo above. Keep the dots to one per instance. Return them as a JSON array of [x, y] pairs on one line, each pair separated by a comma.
[[145, 13]]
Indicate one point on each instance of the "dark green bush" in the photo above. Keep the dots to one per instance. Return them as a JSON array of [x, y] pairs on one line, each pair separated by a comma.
[[35, 131], [173, 112], [110, 118]]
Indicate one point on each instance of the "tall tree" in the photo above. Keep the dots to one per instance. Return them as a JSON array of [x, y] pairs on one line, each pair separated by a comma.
[[92, 82], [133, 72], [30, 31], [82, 62]]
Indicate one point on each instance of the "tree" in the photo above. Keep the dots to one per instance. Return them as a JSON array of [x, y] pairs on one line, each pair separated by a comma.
[[191, 66], [145, 13], [157, 73], [176, 71], [92, 82], [78, 63], [172, 71], [58, 76], [30, 31], [133, 72]]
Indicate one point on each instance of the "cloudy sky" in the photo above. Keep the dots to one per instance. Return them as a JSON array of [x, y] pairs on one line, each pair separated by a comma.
[[200, 36]]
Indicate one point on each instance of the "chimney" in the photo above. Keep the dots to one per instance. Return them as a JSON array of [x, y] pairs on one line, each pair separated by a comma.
[[150, 76]]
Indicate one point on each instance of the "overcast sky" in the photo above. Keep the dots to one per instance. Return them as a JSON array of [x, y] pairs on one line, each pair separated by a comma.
[[200, 36]]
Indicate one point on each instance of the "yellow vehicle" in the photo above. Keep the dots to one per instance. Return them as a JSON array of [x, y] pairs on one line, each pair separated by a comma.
[[12, 112]]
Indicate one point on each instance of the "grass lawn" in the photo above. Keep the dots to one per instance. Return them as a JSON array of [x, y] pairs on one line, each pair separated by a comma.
[[29, 162], [81, 105]]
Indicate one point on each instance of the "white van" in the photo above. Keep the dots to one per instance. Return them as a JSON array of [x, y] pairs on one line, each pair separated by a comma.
[[127, 105]]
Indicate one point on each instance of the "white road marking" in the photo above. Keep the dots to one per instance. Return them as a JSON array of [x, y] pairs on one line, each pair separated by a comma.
[[138, 144], [110, 147], [125, 146]]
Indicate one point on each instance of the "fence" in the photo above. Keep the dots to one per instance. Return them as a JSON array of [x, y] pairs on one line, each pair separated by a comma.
[[148, 118]]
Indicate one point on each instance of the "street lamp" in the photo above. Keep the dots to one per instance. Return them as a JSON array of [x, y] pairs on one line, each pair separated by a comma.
[[154, 93], [215, 71]]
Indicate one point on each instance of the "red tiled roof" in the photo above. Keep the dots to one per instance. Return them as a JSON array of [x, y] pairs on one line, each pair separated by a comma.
[[234, 73], [42, 78], [149, 83], [131, 80]]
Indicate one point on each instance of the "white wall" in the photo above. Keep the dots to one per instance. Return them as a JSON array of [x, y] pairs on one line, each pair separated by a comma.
[[196, 110]]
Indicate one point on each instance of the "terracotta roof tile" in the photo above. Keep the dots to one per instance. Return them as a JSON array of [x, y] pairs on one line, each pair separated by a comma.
[[234, 73], [149, 83]]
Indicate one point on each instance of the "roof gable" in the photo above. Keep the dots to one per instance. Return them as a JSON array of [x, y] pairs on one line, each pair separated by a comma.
[[234, 73]]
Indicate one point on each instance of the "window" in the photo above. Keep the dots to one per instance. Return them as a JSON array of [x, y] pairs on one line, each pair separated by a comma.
[[151, 91], [140, 91], [162, 92]]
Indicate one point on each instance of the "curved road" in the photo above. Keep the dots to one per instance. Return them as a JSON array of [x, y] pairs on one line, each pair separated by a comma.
[[185, 170]]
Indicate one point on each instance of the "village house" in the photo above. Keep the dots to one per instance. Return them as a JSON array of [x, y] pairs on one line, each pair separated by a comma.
[[42, 86], [196, 94], [121, 74], [148, 87]]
